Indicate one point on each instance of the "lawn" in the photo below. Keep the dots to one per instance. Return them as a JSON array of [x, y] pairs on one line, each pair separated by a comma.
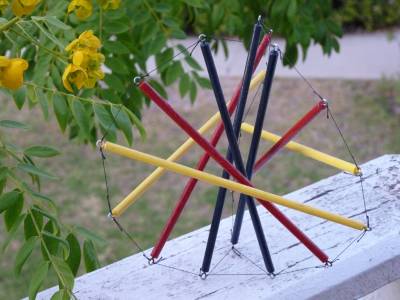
[[360, 108]]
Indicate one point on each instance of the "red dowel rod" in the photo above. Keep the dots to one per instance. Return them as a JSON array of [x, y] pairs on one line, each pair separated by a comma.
[[202, 142], [290, 134], [191, 184]]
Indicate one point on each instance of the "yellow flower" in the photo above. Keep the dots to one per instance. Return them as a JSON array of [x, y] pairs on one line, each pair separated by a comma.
[[23, 7], [74, 74], [87, 59], [86, 40], [4, 61], [3, 5], [12, 72], [109, 4], [82, 8], [93, 76], [85, 62], [91, 63]]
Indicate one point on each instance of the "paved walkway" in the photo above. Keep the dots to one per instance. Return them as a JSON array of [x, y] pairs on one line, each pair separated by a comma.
[[361, 56]]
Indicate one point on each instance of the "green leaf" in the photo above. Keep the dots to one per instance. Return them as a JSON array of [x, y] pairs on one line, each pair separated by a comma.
[[292, 9], [184, 84], [81, 117], [116, 27], [19, 97], [135, 120], [162, 7], [89, 256], [12, 232], [291, 55], [31, 94], [178, 33], [116, 47], [3, 182], [52, 238], [193, 63], [41, 197], [117, 65], [23, 254], [41, 151], [12, 213], [41, 70], [37, 279], [114, 83], [193, 91], [49, 35], [196, 3], [163, 59], [52, 20], [52, 245], [123, 122], [104, 117], [13, 124], [56, 79], [88, 234], [155, 45], [203, 81], [48, 216], [61, 110], [61, 294], [31, 169], [67, 278], [44, 104], [110, 95], [30, 227], [115, 14], [148, 34], [74, 258], [9, 199], [173, 72]]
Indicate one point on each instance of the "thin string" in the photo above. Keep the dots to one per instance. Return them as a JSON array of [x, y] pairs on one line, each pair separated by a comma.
[[284, 272], [161, 264], [232, 211], [237, 274], [216, 265], [110, 125], [330, 113], [331, 116], [314, 90], [364, 201], [356, 239], [240, 254], [120, 227], [163, 64], [252, 102], [103, 160]]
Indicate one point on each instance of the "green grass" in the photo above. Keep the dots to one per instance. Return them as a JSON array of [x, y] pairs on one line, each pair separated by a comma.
[[370, 129]]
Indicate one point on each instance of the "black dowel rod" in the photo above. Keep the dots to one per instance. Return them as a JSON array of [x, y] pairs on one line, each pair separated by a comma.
[[237, 158], [219, 205], [273, 58]]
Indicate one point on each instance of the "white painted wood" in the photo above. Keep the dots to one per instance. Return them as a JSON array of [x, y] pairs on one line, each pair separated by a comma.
[[365, 267]]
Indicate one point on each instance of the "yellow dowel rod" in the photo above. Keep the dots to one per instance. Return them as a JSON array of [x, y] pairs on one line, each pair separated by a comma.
[[157, 173], [228, 184], [307, 151]]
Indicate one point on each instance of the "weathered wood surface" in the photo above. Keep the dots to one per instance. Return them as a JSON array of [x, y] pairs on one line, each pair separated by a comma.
[[364, 267]]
